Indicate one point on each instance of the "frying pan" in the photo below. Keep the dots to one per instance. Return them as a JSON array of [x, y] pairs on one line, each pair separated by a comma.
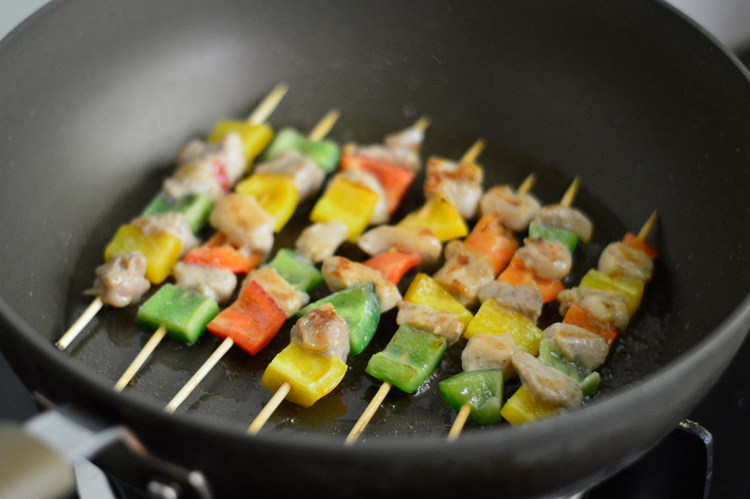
[[632, 98]]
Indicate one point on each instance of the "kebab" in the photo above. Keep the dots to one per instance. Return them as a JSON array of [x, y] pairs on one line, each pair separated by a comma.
[[594, 314], [206, 276], [345, 209], [343, 323], [142, 254], [418, 337], [568, 353]]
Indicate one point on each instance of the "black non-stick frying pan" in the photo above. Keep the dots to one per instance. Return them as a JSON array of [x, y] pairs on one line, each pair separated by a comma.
[[650, 113]]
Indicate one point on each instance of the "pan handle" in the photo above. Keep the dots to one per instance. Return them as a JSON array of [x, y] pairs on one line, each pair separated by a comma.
[[38, 458]]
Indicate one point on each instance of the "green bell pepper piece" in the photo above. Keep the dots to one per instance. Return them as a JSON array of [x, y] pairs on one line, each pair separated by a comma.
[[296, 270], [184, 313], [359, 307], [325, 153], [481, 389], [408, 359], [568, 238], [549, 356], [196, 208]]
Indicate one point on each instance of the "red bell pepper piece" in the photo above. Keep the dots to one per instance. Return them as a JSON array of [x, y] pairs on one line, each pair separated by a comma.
[[579, 316], [636, 242], [217, 253], [252, 321], [491, 238], [394, 178], [517, 273], [393, 264]]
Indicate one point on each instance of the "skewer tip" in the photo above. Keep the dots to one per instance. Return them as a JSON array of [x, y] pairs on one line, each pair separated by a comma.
[[268, 104]]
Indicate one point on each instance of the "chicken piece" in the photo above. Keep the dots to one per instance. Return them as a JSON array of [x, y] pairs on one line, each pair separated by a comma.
[[340, 273], [211, 168], [406, 239], [489, 351], [546, 384], [568, 218], [224, 158], [366, 179], [606, 307], [547, 259], [459, 183], [463, 273], [524, 298], [400, 147], [319, 241], [121, 281], [514, 210], [578, 344], [438, 322], [287, 297], [324, 331], [308, 176], [618, 260], [245, 224], [213, 282], [172, 222], [192, 178]]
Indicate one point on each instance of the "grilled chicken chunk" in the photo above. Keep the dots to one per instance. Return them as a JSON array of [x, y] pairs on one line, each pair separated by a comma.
[[459, 183], [287, 297], [568, 218], [547, 384], [308, 176], [213, 282], [547, 259], [523, 298], [319, 241], [340, 273], [489, 351], [244, 222], [407, 239], [121, 281], [578, 344], [172, 222], [463, 273], [324, 331], [618, 260], [400, 147], [606, 307], [440, 323], [514, 210]]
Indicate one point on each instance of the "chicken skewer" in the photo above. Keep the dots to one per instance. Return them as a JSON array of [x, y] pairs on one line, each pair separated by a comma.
[[321, 329], [593, 316], [251, 147], [334, 208], [587, 349], [446, 303], [317, 134]]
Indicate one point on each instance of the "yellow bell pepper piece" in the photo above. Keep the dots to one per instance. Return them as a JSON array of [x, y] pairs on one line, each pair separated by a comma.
[[276, 194], [522, 408], [440, 216], [347, 202], [255, 138], [631, 290], [493, 318], [161, 249], [311, 374], [426, 291]]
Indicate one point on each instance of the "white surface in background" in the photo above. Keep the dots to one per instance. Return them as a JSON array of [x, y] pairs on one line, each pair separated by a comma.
[[727, 20]]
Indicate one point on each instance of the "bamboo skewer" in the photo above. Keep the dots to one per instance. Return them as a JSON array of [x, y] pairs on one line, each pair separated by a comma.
[[319, 131], [463, 413], [377, 400], [258, 116]]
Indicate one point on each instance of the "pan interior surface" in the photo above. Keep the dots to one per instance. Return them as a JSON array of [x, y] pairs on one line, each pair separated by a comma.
[[649, 115]]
